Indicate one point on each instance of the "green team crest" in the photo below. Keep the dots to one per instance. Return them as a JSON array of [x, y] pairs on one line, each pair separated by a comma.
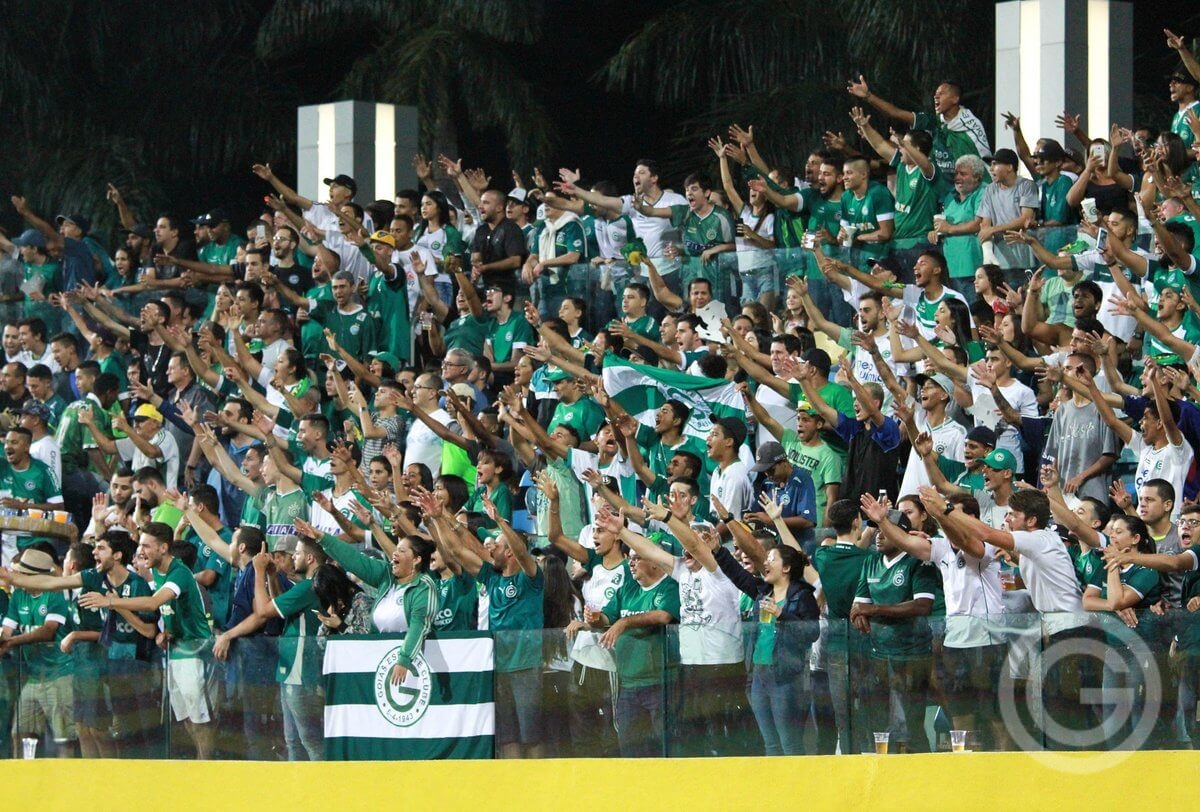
[[405, 704]]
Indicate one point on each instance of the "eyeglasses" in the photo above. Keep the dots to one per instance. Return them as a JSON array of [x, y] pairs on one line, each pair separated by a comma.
[[423, 386], [451, 364], [1189, 522]]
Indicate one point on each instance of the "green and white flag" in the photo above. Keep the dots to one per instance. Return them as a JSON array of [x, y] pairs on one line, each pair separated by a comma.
[[642, 389], [443, 709]]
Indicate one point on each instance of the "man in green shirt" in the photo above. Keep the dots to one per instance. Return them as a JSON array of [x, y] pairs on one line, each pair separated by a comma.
[[355, 329], [36, 623], [83, 466], [707, 230], [508, 335], [634, 621], [1182, 86], [40, 381], [575, 409], [25, 483], [839, 562], [634, 301], [868, 215], [892, 602], [185, 626], [212, 570]]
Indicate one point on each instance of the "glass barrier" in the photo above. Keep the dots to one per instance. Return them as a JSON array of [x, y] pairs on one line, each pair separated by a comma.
[[1018, 681]]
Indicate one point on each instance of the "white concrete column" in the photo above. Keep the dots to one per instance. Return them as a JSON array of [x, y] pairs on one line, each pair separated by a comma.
[[1056, 55], [372, 143]]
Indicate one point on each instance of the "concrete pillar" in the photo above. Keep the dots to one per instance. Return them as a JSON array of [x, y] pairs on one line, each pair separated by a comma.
[[372, 143], [1056, 55]]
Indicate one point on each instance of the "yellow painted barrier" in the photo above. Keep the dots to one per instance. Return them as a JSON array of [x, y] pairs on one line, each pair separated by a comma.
[[967, 781]]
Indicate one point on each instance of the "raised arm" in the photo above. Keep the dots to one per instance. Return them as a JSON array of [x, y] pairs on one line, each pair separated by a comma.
[[861, 90]]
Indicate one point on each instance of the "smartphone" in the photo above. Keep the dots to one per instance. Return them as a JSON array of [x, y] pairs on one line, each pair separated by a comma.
[[1098, 151], [1102, 239], [261, 230]]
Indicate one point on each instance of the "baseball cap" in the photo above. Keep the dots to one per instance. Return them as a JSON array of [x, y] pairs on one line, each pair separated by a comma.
[[384, 237], [818, 358], [464, 391], [343, 180], [1051, 151], [388, 358], [1173, 280], [218, 216], [945, 383], [1001, 459], [31, 238], [888, 263], [85, 225], [982, 435], [1184, 78], [519, 195], [769, 454], [556, 375], [37, 409], [140, 230], [804, 406], [202, 220], [147, 412], [287, 544], [1006, 156]]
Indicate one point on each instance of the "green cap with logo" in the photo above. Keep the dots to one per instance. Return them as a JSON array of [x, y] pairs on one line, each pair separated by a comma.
[[1173, 280], [1001, 459]]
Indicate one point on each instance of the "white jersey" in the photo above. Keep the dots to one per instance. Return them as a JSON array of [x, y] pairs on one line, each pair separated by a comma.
[[46, 449], [710, 626], [654, 231], [949, 441], [1049, 575], [974, 601], [1171, 462], [733, 487]]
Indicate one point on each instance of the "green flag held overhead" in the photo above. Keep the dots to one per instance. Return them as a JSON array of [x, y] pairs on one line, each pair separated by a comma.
[[642, 389]]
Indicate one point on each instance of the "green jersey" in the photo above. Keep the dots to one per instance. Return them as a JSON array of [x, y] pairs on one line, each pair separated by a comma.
[[658, 455], [75, 439], [513, 334], [467, 333], [57, 406], [888, 583], [125, 637], [567, 239], [962, 135], [643, 654], [1054, 200], [207, 559], [916, 203], [47, 279], [515, 613], [864, 214], [840, 567], [279, 513], [821, 462], [1179, 124], [501, 497], [1087, 562], [27, 613], [458, 603], [34, 484], [644, 326], [299, 663], [183, 615], [215, 254], [962, 251], [389, 309], [701, 233], [356, 331], [584, 415]]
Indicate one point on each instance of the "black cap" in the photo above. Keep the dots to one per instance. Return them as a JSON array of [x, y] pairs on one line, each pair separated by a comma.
[[140, 230], [769, 455], [85, 225], [818, 358], [888, 263], [982, 435], [218, 216], [1006, 156], [202, 220], [1051, 151], [1183, 78], [343, 180]]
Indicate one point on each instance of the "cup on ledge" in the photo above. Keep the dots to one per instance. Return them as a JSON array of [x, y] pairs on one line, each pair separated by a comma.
[[958, 741], [29, 747], [881, 743]]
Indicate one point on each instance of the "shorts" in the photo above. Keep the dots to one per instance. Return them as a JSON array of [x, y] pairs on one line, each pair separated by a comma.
[[46, 702], [189, 684], [519, 707], [88, 682]]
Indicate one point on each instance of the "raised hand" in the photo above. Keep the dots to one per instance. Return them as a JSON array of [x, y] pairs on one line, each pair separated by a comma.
[[422, 167], [263, 171], [744, 138], [771, 507], [717, 146], [858, 88], [1120, 496], [306, 530], [1012, 122], [451, 167], [875, 510]]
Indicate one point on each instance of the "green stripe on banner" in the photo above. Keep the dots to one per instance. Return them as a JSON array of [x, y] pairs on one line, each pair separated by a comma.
[[639, 399], [359, 749], [642, 389], [457, 688]]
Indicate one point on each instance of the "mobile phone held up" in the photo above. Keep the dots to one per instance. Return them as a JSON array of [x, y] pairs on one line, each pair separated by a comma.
[[1102, 239]]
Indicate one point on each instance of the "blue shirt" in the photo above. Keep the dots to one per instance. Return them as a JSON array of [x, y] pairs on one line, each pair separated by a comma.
[[242, 604], [886, 436], [797, 497], [78, 264]]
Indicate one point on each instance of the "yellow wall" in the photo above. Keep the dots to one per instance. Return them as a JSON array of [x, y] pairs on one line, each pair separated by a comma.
[[973, 781]]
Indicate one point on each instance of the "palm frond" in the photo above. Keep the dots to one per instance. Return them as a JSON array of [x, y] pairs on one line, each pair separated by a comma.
[[508, 21]]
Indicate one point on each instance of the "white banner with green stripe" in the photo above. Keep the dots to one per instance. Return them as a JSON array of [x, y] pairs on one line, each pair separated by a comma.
[[642, 389], [443, 709]]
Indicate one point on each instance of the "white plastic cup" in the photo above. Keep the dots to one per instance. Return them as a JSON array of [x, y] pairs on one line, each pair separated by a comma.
[[958, 741], [881, 743], [850, 232], [29, 747]]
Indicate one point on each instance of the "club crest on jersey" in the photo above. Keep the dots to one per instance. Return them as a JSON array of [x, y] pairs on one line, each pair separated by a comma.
[[898, 579], [405, 704]]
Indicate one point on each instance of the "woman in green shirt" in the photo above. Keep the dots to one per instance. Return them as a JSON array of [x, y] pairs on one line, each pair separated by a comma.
[[406, 598], [495, 472]]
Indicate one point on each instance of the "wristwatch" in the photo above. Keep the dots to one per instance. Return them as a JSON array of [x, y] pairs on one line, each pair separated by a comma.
[[950, 508]]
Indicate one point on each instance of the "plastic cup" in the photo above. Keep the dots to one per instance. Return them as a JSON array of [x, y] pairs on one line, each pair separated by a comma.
[[62, 517], [764, 616], [29, 747], [958, 741], [850, 232], [881, 743], [34, 513]]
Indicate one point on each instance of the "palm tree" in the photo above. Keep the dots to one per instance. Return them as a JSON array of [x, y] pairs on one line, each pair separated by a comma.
[[454, 59], [783, 64]]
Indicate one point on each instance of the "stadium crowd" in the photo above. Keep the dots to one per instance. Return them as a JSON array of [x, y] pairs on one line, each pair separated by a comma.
[[782, 461]]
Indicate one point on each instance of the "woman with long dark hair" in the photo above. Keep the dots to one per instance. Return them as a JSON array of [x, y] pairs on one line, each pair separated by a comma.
[[436, 232]]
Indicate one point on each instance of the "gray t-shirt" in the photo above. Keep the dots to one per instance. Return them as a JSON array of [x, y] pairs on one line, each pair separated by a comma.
[[1002, 205], [1171, 583], [1077, 438]]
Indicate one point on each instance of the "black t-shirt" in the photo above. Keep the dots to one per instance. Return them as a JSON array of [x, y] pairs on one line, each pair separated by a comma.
[[184, 249], [297, 277], [154, 360], [504, 241]]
